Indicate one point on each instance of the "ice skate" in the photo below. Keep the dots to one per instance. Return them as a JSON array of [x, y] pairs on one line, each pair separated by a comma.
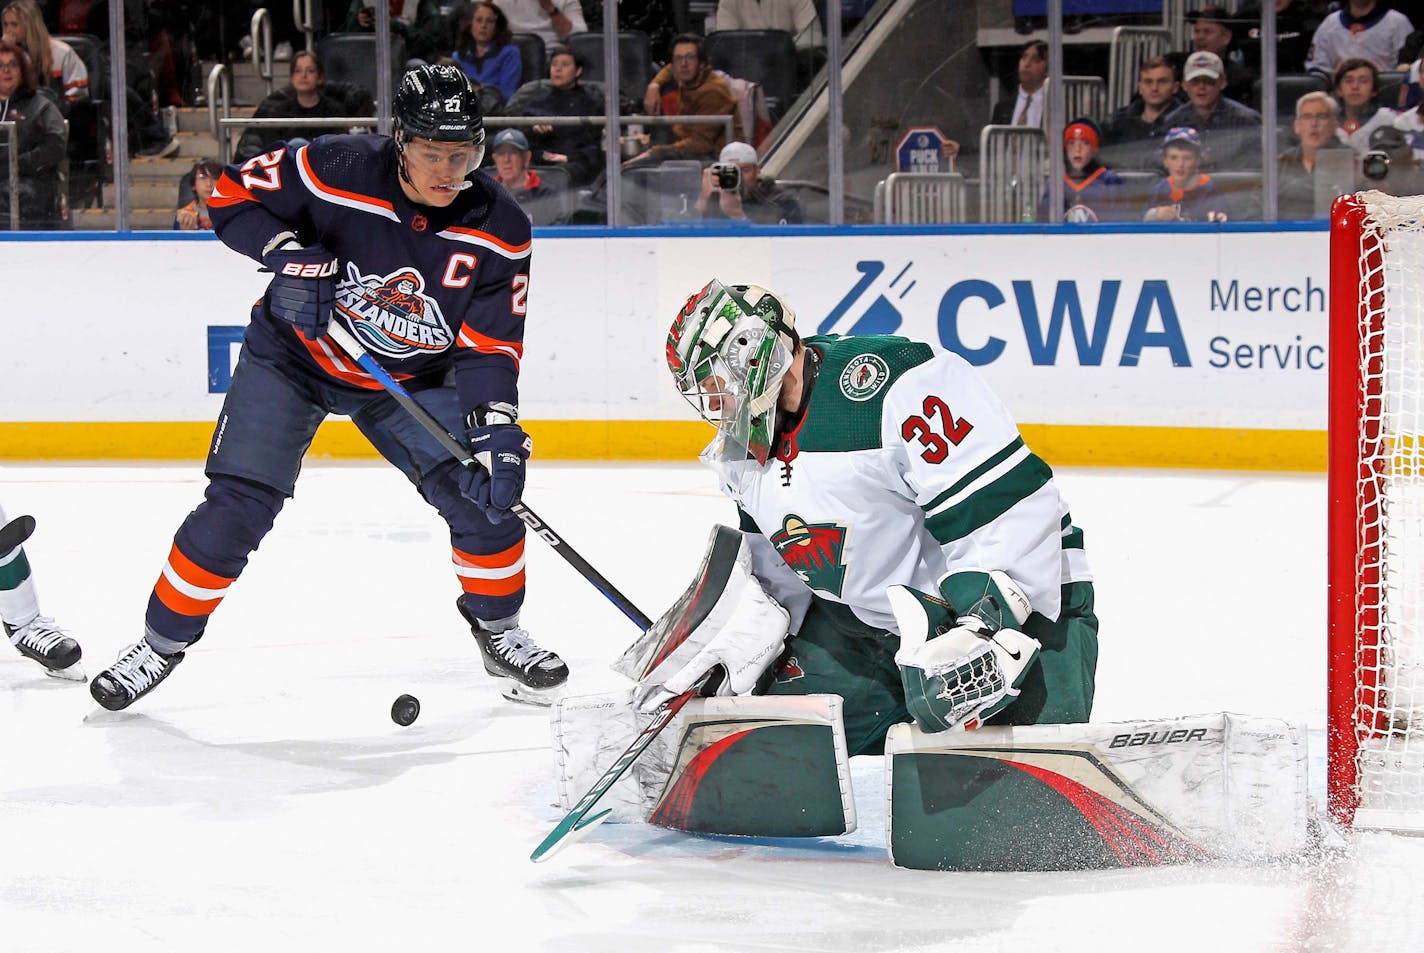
[[524, 671], [45, 642], [138, 670]]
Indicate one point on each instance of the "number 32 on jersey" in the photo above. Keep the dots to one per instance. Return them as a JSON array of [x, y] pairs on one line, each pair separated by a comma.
[[935, 429]]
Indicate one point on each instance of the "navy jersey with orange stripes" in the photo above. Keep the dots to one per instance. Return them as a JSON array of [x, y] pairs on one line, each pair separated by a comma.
[[425, 290]]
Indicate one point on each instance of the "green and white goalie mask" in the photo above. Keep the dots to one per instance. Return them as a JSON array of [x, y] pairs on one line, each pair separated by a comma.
[[728, 351]]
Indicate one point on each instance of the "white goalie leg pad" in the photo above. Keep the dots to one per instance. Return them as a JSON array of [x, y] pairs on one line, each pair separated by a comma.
[[590, 732], [1220, 787]]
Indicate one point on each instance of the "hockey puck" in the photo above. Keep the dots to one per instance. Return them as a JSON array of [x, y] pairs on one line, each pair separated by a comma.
[[405, 709]]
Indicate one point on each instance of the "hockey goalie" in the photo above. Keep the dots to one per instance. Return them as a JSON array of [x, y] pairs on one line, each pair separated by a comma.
[[905, 570]]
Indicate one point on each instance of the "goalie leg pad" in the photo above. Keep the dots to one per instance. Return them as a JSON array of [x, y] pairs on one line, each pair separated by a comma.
[[1067, 797], [759, 766], [590, 732]]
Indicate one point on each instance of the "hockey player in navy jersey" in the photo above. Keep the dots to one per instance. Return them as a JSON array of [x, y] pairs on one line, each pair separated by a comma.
[[923, 561], [426, 261]]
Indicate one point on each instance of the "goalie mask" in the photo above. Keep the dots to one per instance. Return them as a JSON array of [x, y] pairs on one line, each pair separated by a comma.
[[728, 350]]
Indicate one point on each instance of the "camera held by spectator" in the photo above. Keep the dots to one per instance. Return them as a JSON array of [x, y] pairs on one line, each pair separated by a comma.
[[726, 176]]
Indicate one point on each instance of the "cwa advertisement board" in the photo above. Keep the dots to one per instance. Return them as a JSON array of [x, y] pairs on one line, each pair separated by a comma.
[[1132, 339]]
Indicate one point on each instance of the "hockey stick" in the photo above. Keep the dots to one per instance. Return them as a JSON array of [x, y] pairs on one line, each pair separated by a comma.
[[462, 455], [15, 532], [573, 826]]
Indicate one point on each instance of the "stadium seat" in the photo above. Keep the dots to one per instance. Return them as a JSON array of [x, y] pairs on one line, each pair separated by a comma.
[[1129, 48], [351, 58], [1135, 189], [765, 57], [551, 209], [1242, 191], [634, 60], [1391, 87], [533, 56], [1289, 88]]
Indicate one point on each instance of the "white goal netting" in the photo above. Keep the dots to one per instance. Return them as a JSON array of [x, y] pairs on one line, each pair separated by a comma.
[[1389, 606]]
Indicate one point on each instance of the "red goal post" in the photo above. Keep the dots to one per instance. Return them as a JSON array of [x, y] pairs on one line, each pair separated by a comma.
[[1375, 720]]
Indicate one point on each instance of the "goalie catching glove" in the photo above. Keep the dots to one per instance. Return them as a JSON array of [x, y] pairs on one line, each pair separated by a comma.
[[961, 665]]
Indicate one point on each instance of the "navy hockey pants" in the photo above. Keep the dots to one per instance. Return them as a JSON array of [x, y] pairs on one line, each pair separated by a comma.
[[267, 423]]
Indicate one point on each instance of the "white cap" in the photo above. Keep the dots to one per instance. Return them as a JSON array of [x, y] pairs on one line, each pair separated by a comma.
[[738, 152]]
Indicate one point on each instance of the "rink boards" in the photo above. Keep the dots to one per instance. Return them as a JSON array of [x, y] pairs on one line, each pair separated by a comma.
[[1122, 346]]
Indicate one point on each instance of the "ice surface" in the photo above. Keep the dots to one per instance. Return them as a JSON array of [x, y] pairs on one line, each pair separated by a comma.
[[263, 799]]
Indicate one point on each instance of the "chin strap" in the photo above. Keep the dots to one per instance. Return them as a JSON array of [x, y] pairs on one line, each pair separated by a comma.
[[785, 423]]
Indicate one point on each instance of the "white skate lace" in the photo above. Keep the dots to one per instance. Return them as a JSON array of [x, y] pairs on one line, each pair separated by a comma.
[[515, 646], [40, 634], [138, 668]]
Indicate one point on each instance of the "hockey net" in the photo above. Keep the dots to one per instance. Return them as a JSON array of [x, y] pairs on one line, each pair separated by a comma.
[[1376, 516]]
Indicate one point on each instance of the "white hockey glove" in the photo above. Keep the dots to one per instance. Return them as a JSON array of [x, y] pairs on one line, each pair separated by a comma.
[[725, 619], [964, 666]]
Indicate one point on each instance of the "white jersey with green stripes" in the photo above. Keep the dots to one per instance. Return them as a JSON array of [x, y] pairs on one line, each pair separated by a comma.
[[904, 467]]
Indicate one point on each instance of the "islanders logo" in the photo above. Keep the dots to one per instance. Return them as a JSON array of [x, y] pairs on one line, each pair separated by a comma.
[[814, 551], [391, 314]]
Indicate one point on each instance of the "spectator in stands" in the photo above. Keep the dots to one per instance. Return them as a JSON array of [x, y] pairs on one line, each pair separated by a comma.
[[201, 179], [511, 155], [485, 50], [578, 149], [1390, 165], [1296, 23], [1366, 29], [1185, 194], [797, 17], [1214, 30], [361, 16], [56, 63], [550, 20], [1355, 84], [1026, 108], [687, 87], [308, 96], [39, 131], [1133, 133], [756, 199], [1317, 120], [1091, 191], [1230, 131]]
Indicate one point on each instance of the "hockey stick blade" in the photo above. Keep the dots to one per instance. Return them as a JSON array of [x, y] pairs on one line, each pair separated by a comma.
[[14, 533], [348, 343], [573, 826]]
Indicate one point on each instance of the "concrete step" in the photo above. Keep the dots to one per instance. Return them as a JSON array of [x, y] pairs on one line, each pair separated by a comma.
[[146, 195], [145, 169], [103, 219]]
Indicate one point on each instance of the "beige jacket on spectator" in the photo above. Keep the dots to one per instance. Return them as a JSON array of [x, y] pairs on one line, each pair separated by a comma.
[[706, 95]]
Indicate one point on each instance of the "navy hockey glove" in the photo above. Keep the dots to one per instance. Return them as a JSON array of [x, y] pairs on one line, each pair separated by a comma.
[[303, 288], [500, 447]]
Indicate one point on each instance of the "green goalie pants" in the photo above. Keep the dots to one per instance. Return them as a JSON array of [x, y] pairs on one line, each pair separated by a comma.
[[835, 653]]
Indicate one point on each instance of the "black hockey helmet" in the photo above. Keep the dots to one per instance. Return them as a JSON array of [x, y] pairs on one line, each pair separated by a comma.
[[437, 103]]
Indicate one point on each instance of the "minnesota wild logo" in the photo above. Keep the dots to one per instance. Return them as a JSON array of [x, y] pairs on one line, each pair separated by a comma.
[[813, 551]]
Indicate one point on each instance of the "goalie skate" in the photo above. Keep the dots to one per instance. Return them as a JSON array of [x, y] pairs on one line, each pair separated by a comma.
[[523, 671], [45, 642]]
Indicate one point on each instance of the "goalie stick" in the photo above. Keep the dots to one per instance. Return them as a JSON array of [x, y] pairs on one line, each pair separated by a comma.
[[462, 455], [15, 532], [573, 826]]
